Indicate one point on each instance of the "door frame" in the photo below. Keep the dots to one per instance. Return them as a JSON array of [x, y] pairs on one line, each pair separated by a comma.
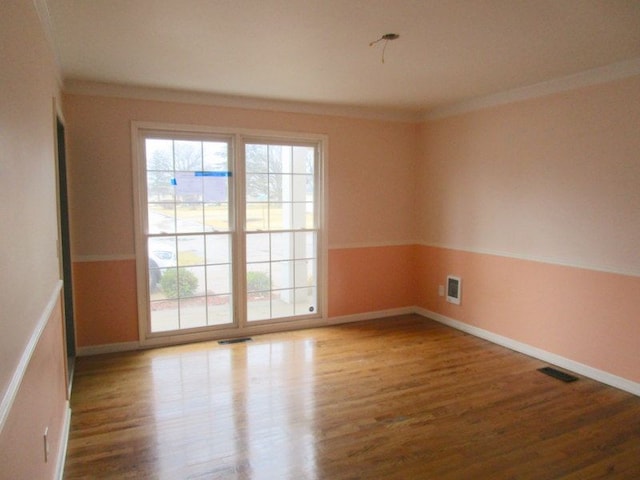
[[64, 243]]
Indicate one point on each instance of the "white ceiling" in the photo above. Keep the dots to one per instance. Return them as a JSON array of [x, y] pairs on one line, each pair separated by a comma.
[[317, 51]]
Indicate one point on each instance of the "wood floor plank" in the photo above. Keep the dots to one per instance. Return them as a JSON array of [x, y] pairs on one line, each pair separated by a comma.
[[399, 398]]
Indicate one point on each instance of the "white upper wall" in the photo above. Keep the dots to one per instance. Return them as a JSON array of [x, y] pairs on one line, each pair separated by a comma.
[[555, 178], [28, 251]]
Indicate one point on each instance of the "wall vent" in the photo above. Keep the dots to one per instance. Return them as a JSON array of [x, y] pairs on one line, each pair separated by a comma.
[[552, 372], [234, 340]]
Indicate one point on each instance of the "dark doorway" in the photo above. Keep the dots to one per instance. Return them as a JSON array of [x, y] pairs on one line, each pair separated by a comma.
[[65, 249]]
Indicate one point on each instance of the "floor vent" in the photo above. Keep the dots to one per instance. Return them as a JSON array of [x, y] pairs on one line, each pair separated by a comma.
[[234, 340], [552, 372]]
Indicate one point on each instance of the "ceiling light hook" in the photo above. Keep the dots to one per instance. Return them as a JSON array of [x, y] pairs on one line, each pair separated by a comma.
[[386, 37]]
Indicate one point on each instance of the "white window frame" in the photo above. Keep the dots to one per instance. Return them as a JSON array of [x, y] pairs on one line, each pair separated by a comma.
[[238, 138]]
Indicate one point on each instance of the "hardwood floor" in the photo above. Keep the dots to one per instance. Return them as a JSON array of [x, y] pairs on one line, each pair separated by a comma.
[[400, 398]]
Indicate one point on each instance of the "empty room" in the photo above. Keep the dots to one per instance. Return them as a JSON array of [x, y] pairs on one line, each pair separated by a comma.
[[338, 239]]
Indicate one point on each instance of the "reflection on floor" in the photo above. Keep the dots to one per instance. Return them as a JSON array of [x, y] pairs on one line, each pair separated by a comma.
[[399, 398]]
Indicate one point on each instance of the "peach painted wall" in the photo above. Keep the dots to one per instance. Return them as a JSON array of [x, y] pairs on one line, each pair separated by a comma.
[[587, 316], [536, 205], [371, 279], [39, 404], [105, 298], [371, 164], [32, 376]]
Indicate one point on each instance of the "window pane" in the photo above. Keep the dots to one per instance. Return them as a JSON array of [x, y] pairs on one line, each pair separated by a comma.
[[302, 215], [161, 217], [282, 303], [279, 216], [282, 246], [280, 188], [191, 250], [305, 245], [215, 156], [164, 315], [162, 251], [257, 187], [220, 310], [258, 307], [279, 159], [190, 218], [282, 275], [215, 186], [257, 247], [160, 187], [188, 155], [216, 217], [303, 159], [256, 159], [159, 154], [305, 273], [258, 277], [302, 188], [305, 301], [257, 216], [190, 281], [193, 312], [218, 279], [188, 187], [218, 249]]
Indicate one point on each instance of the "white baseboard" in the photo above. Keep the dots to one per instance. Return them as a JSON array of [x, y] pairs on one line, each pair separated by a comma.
[[359, 317], [64, 442], [107, 348], [566, 363]]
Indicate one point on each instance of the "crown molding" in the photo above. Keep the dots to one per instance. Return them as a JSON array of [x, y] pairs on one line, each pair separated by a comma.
[[42, 10], [607, 73], [86, 87]]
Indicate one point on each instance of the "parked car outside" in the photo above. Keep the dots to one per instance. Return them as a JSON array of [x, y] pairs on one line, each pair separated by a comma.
[[159, 260]]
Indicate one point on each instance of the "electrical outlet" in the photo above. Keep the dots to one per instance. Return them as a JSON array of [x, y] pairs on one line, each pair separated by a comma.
[[441, 290], [46, 444]]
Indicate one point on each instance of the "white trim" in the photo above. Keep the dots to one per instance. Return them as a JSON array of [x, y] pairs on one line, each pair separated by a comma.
[[400, 243], [64, 442], [607, 73], [540, 259], [199, 129], [21, 369], [81, 87], [103, 258], [563, 362], [107, 348], [359, 317], [392, 243]]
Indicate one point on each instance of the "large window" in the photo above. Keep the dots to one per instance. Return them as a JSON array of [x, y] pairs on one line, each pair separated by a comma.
[[189, 232], [281, 230], [229, 230]]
